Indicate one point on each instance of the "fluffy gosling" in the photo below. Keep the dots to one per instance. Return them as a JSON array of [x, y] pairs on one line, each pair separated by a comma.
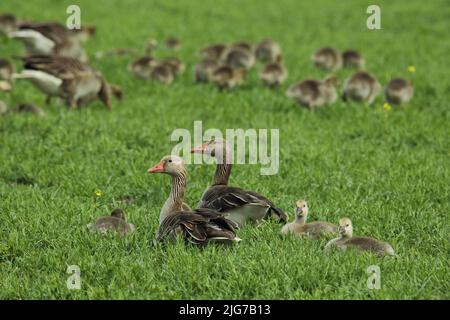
[[314, 93], [226, 77], [273, 73], [346, 241], [361, 87], [353, 59], [328, 59], [204, 70], [117, 222], [399, 91], [267, 51], [313, 230], [173, 43], [239, 58]]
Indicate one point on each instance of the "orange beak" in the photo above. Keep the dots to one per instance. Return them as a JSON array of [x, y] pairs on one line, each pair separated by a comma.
[[159, 167], [200, 148]]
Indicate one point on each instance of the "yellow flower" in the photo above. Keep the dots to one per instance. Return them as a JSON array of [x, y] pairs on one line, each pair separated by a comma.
[[411, 69], [386, 107], [98, 193]]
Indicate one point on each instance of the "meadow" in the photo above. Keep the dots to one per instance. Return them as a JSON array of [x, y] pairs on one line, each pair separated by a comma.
[[388, 170]]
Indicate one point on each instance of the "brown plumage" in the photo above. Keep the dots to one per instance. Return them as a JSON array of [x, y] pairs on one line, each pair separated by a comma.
[[143, 66], [237, 204], [274, 73], [28, 108], [198, 227], [243, 45], [8, 23], [314, 93], [175, 64], [399, 91], [237, 58], [361, 87], [162, 73], [267, 51], [70, 79], [346, 241], [353, 59], [204, 70], [173, 43], [328, 59], [226, 77], [116, 222], [214, 51], [300, 227]]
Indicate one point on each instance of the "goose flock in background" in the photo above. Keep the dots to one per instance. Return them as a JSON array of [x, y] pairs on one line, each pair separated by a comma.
[[55, 62]]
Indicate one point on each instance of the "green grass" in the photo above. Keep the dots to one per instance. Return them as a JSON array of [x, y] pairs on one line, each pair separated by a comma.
[[390, 175]]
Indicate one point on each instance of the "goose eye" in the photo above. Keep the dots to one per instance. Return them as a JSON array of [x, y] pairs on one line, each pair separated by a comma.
[[170, 160], [347, 225]]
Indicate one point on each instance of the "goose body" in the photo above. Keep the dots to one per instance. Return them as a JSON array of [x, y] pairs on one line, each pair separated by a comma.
[[226, 77], [313, 93], [399, 91], [327, 59], [347, 241], [67, 78], [214, 51], [143, 67], [116, 222], [267, 51], [198, 227], [237, 58], [204, 70], [300, 227], [361, 87], [353, 59], [236, 204], [273, 74]]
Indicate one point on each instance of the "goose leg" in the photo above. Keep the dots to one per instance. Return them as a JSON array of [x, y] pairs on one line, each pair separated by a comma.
[[48, 100]]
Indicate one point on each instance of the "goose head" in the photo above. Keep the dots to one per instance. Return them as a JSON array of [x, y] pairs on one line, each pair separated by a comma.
[[119, 214], [216, 147], [301, 209], [353, 59], [345, 228], [171, 165]]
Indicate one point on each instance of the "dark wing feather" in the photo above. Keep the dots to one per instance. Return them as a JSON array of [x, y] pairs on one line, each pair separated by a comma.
[[61, 67]]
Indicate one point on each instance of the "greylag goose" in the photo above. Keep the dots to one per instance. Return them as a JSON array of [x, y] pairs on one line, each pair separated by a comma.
[[197, 227], [204, 70], [399, 91], [51, 38], [29, 108], [313, 230], [237, 204], [226, 77], [6, 69], [117, 222], [361, 87], [70, 79], [175, 64], [274, 73], [314, 93], [237, 58], [328, 59], [267, 51], [353, 59], [143, 66], [173, 43], [214, 51], [162, 73], [346, 241]]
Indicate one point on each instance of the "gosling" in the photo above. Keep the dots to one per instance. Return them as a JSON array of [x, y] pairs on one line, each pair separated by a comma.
[[314, 93], [314, 230], [273, 74], [361, 87], [346, 241], [353, 59], [226, 77], [267, 51], [399, 91], [327, 59], [117, 222], [204, 70]]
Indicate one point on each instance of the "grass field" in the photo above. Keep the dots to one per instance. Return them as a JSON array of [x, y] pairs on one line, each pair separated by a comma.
[[389, 172]]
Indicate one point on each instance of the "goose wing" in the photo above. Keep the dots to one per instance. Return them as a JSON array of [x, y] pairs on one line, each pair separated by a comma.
[[60, 67], [197, 227], [51, 30], [224, 198]]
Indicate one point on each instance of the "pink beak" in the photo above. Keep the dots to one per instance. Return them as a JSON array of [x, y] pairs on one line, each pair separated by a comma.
[[200, 148], [159, 167]]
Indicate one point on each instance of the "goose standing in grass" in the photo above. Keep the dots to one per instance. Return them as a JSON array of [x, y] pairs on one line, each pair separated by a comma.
[[353, 59], [300, 227], [361, 87], [226, 77], [198, 227], [347, 241], [399, 91], [117, 222], [239, 205], [267, 51], [51, 38], [328, 59], [204, 70], [314, 93], [70, 79], [214, 51], [273, 73]]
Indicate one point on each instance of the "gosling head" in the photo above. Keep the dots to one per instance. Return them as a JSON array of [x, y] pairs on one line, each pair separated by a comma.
[[171, 165], [119, 214], [345, 228], [301, 209], [216, 147]]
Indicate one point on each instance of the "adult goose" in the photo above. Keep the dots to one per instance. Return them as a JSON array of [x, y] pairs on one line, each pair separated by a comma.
[[237, 204], [70, 79], [347, 241], [313, 230], [197, 227], [52, 38]]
